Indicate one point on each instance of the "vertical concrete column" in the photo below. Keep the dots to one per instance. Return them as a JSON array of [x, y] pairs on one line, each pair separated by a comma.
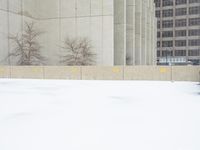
[[144, 31], [120, 32], [138, 32], [4, 50], [130, 35], [154, 34], [148, 51]]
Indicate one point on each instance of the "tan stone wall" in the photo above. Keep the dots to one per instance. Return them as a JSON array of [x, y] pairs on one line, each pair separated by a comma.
[[31, 72], [72, 73], [102, 73], [186, 73], [147, 73], [4, 72], [159, 73]]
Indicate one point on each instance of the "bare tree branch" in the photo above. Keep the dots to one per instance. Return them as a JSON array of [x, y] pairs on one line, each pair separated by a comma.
[[78, 52], [27, 48]]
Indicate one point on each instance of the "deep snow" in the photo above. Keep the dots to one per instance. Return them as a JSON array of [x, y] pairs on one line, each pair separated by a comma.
[[99, 115]]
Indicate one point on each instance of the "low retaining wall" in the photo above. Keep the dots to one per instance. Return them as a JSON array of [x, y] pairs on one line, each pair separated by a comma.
[[161, 73]]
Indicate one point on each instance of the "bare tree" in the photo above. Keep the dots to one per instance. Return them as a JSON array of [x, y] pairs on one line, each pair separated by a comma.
[[27, 47], [78, 52]]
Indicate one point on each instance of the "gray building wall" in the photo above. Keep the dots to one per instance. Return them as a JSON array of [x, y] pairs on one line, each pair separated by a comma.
[[80, 18]]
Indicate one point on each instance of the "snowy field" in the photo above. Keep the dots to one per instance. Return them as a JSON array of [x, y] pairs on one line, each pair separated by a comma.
[[99, 115]]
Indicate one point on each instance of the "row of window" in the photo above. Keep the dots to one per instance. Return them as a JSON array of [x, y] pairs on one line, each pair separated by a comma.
[[194, 52], [178, 12], [179, 43], [174, 2], [179, 33], [179, 23]]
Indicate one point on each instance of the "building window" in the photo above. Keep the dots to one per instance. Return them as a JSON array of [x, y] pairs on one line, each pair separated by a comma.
[[194, 32], [194, 10], [158, 34], [167, 13], [194, 21], [158, 3], [167, 53], [158, 53], [195, 42], [181, 11], [167, 34], [180, 52], [179, 33], [158, 24], [167, 24], [194, 52], [158, 13], [168, 2], [180, 2], [167, 44], [194, 1], [181, 23], [180, 43], [158, 44]]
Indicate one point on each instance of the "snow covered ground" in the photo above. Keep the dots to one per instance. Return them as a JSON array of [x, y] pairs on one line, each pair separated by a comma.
[[99, 115]]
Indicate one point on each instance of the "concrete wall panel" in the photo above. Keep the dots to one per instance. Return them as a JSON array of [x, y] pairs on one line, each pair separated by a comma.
[[83, 8], [102, 73], [68, 8], [156, 73], [83, 27], [27, 72], [96, 7], [3, 38], [30, 8], [4, 72], [15, 28], [120, 44], [108, 43], [50, 40], [97, 38], [147, 73], [48, 9], [15, 6], [62, 73], [3, 4], [108, 7], [186, 73], [68, 28]]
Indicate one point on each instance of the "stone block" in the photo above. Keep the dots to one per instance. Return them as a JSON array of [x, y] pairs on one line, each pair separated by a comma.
[[52, 72], [27, 72]]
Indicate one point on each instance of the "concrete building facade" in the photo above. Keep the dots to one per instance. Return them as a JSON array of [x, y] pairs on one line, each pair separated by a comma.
[[178, 31], [121, 31]]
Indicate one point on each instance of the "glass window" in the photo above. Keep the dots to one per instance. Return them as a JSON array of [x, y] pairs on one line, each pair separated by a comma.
[[167, 34], [194, 21], [179, 33], [168, 2], [181, 23], [180, 2], [167, 24], [180, 43], [167, 13], [180, 52], [181, 11], [194, 10], [167, 44], [194, 32]]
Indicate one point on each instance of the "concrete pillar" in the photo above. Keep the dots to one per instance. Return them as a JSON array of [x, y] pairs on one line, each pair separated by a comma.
[[120, 32]]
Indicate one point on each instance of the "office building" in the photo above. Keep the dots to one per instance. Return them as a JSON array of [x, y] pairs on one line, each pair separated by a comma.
[[178, 31]]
